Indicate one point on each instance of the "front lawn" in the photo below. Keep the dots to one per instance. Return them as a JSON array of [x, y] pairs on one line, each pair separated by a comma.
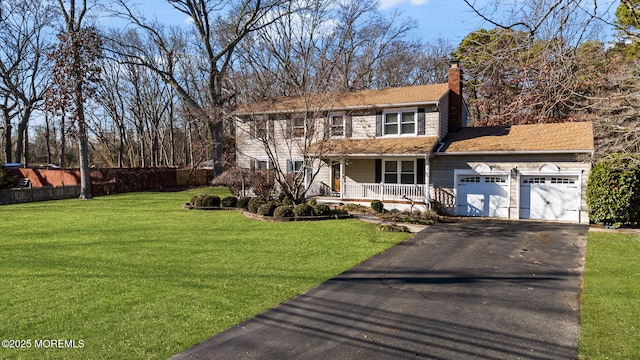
[[134, 276], [610, 314]]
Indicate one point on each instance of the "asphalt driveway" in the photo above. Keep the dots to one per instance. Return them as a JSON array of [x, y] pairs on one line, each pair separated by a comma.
[[477, 289]]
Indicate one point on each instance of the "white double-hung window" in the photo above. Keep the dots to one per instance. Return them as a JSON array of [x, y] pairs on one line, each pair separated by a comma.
[[399, 172], [400, 122]]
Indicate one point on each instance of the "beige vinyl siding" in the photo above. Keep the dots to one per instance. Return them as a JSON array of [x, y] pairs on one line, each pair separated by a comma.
[[431, 124], [364, 126], [361, 171], [444, 115]]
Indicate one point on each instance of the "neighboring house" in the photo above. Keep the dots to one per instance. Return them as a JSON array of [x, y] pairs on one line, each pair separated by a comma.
[[410, 146]]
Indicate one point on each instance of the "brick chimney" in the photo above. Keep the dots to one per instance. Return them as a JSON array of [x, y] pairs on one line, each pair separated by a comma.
[[455, 96]]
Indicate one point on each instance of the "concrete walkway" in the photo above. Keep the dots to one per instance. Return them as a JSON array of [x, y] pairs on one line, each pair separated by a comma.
[[476, 289]]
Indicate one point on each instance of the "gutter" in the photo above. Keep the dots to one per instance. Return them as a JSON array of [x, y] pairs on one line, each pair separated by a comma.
[[514, 152], [345, 108]]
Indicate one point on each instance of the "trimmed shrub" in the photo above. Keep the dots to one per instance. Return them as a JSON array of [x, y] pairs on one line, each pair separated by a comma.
[[303, 210], [283, 211], [287, 201], [416, 217], [322, 210], [312, 202], [196, 200], [338, 213], [377, 206], [613, 190], [210, 201], [6, 179], [255, 203], [243, 203], [267, 209], [229, 201], [356, 207], [393, 228], [205, 200]]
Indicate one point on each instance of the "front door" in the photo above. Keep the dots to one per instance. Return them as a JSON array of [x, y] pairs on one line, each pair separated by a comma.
[[335, 177]]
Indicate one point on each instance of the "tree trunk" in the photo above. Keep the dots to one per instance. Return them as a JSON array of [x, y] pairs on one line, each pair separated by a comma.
[[85, 178], [7, 137], [63, 141]]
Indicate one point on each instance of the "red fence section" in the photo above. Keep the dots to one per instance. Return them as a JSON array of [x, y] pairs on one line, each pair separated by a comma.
[[116, 180]]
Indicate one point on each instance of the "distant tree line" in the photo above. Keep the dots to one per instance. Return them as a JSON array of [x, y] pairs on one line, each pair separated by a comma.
[[158, 95]]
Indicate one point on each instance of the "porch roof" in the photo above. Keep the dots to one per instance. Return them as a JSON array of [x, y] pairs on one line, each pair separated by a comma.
[[409, 146], [562, 137]]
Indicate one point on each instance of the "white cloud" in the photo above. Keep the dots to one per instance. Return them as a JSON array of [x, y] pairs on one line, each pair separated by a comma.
[[389, 4]]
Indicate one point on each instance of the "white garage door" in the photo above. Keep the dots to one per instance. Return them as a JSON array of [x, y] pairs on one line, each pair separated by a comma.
[[483, 196], [550, 198]]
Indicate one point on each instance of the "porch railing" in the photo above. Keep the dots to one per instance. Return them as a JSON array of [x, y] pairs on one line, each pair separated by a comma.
[[390, 192]]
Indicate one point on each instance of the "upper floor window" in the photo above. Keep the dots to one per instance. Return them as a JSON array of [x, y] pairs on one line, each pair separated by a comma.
[[401, 122], [298, 127], [337, 125]]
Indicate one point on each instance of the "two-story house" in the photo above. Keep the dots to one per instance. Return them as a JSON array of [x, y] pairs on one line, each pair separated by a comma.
[[410, 145]]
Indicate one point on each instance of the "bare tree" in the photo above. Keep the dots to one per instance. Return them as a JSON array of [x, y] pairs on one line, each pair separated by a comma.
[[218, 28], [76, 71], [24, 71]]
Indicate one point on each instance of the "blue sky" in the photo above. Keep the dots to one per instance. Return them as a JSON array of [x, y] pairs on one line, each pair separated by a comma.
[[448, 19]]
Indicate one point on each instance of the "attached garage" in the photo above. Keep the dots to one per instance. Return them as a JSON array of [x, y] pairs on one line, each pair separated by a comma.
[[550, 198], [480, 195], [536, 172]]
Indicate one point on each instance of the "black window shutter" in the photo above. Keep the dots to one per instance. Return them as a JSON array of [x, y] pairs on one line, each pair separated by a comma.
[[348, 124], [289, 132], [272, 127], [421, 121], [378, 171], [379, 123], [420, 171]]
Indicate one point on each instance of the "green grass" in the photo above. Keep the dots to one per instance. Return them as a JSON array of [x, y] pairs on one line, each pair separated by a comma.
[[134, 276], [610, 314]]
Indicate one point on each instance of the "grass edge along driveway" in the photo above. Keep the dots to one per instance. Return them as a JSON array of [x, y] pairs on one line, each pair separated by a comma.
[[134, 276], [610, 309]]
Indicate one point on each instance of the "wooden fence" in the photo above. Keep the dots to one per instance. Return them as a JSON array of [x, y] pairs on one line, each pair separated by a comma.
[[50, 184], [16, 196]]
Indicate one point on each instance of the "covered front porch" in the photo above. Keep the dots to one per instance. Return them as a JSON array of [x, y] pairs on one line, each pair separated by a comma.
[[390, 179], [393, 170]]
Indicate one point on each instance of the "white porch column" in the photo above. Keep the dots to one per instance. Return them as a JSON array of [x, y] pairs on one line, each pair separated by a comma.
[[343, 167], [427, 178]]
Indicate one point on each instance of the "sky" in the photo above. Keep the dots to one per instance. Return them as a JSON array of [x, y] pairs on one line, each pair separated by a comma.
[[447, 19]]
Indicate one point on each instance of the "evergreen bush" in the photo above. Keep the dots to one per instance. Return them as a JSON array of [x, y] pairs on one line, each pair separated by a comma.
[[6, 179], [303, 210], [210, 200], [267, 209], [243, 202], [322, 210], [613, 190], [377, 206], [255, 203], [196, 200], [229, 201], [283, 211]]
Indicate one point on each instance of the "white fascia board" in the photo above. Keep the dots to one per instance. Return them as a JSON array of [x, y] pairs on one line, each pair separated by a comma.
[[372, 155], [359, 107], [541, 152]]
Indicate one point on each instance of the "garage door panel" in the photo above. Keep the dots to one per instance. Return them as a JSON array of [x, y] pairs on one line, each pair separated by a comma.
[[549, 198], [483, 196]]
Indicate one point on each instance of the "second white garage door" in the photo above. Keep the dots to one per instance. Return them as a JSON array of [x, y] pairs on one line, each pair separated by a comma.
[[550, 198], [483, 196]]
